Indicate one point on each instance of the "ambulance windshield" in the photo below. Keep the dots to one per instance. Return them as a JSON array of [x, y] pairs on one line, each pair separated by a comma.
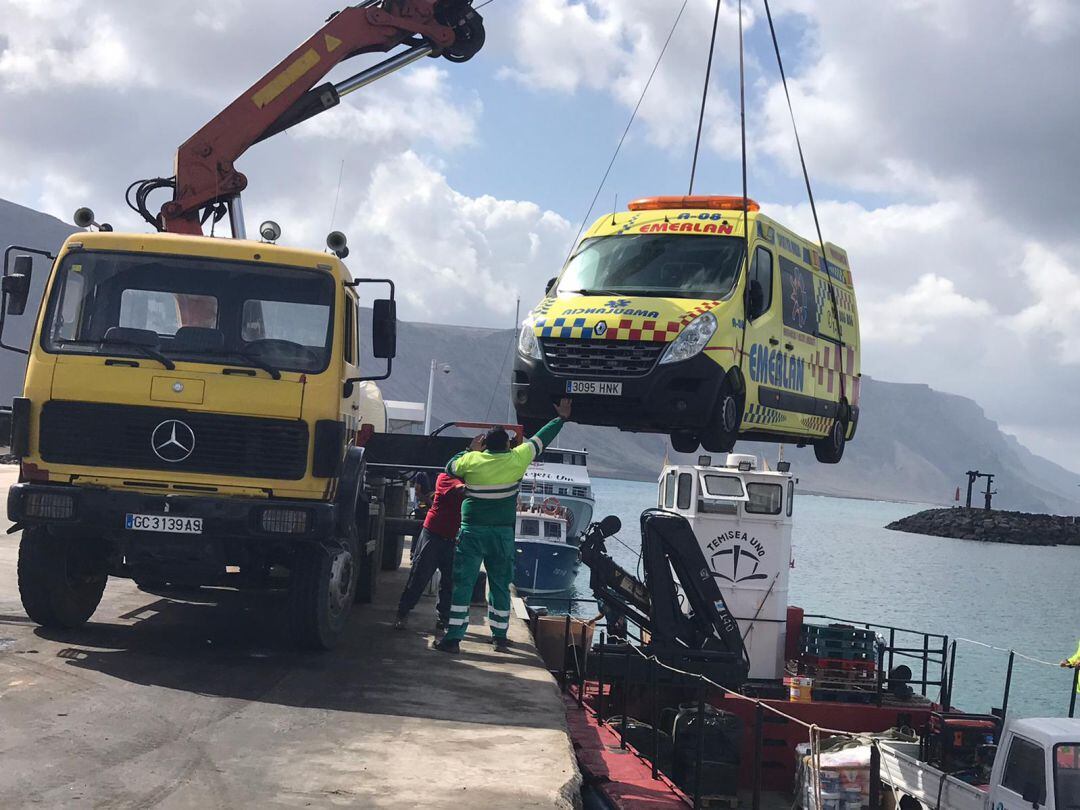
[[655, 264]]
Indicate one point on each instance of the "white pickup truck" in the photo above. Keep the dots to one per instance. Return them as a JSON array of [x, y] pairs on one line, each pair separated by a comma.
[[1037, 766]]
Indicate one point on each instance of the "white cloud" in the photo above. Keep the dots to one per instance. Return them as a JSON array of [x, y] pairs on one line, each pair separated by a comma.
[[456, 259], [1055, 312], [915, 314], [415, 107]]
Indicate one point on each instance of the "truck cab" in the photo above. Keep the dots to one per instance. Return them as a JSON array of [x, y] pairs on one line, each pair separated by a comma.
[[193, 414], [658, 323]]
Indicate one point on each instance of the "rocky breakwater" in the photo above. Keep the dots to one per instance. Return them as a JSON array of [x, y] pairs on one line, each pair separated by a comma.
[[993, 526]]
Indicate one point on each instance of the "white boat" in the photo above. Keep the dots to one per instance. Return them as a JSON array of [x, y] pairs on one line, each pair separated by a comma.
[[546, 562], [564, 475]]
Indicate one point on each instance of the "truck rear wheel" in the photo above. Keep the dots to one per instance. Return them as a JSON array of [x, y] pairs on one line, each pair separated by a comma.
[[321, 593], [831, 449], [61, 580]]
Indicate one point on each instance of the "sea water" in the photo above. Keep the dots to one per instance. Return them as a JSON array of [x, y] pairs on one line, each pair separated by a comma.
[[847, 565]]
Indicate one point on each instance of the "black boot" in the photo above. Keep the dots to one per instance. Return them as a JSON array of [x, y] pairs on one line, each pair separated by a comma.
[[501, 645], [447, 645]]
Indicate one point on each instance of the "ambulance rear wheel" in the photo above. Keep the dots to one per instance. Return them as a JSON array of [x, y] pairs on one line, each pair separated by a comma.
[[683, 441], [720, 435], [831, 449]]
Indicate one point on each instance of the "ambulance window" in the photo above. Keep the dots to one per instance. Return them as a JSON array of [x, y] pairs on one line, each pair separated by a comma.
[[1025, 773], [765, 499], [686, 484], [761, 283], [790, 497], [669, 491]]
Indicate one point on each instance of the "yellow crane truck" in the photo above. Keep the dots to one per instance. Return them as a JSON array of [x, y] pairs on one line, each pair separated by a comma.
[[194, 412]]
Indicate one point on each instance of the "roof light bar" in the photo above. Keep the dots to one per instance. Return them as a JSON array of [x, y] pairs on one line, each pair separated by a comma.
[[709, 203]]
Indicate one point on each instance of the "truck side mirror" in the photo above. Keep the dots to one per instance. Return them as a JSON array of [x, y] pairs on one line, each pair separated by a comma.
[[550, 285], [384, 328], [16, 285]]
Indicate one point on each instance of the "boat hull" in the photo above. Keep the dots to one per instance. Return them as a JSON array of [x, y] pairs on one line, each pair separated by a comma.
[[542, 567]]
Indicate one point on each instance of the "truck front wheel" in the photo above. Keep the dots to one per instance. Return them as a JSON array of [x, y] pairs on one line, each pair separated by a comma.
[[61, 580], [321, 593]]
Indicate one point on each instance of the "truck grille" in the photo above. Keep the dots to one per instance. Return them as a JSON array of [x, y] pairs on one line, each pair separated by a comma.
[[103, 435], [601, 358]]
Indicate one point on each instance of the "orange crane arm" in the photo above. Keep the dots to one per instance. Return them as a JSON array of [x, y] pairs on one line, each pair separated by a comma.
[[206, 175]]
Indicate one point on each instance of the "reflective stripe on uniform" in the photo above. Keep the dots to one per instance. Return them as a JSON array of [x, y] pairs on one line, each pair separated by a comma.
[[459, 621], [497, 625], [491, 496], [538, 445], [501, 613], [459, 608]]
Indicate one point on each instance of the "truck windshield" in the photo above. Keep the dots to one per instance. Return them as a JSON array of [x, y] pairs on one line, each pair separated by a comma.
[[655, 264], [200, 310], [1067, 776]]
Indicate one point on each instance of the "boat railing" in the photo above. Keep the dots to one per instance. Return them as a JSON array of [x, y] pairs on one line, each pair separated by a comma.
[[929, 652]]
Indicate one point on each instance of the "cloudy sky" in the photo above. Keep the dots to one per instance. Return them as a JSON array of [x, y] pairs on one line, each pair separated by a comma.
[[942, 139]]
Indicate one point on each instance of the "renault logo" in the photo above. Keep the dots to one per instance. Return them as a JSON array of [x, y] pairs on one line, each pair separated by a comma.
[[172, 441]]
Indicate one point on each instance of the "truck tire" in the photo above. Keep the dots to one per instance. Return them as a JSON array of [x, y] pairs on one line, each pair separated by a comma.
[[393, 549], [831, 449], [720, 435], [61, 580], [321, 593]]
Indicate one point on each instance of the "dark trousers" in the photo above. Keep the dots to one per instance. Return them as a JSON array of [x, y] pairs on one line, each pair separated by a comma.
[[435, 553]]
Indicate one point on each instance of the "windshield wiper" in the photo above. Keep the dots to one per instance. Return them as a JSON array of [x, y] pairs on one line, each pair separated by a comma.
[[147, 351], [254, 360]]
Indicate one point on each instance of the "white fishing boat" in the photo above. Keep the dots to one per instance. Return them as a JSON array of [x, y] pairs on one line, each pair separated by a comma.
[[563, 474]]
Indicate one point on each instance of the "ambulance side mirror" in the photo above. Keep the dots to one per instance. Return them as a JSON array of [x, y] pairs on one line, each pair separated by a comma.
[[550, 285]]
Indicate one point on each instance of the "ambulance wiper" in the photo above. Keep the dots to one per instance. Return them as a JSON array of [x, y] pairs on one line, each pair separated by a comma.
[[598, 291]]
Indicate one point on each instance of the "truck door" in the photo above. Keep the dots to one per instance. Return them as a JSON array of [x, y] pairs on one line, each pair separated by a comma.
[[763, 331], [1023, 777]]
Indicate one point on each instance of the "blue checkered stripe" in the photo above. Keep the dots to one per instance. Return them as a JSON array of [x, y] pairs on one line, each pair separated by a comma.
[[762, 415], [563, 328], [824, 306]]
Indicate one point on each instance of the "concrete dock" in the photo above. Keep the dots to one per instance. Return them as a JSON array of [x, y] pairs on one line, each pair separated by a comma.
[[197, 700]]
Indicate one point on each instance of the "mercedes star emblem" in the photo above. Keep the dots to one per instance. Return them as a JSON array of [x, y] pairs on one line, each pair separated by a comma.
[[178, 387], [172, 441]]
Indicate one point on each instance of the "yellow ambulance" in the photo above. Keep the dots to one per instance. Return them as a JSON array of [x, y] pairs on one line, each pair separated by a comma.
[[658, 324]]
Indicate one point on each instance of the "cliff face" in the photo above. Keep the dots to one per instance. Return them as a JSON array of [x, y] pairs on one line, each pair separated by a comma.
[[994, 526], [913, 444]]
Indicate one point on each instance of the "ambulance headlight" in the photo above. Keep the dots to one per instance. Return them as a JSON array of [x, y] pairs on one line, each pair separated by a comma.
[[528, 345], [691, 340]]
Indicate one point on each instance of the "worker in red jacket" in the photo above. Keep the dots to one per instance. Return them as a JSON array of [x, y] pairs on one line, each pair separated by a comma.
[[435, 551]]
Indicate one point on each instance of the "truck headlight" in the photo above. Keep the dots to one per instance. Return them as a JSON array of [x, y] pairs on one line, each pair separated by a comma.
[[49, 505], [528, 345], [691, 340], [277, 520]]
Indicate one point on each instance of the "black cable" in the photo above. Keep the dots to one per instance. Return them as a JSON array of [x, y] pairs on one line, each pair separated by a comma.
[[143, 189], [745, 200], [633, 115], [705, 94], [810, 195]]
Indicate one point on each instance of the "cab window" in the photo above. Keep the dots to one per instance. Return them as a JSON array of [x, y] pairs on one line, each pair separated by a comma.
[[723, 486], [761, 283], [350, 331], [165, 312], [765, 499], [530, 527], [790, 496], [686, 485], [1067, 775], [1024, 771], [669, 491], [552, 530]]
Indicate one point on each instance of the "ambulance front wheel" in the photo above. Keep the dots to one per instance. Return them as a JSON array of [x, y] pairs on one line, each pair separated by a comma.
[[831, 449], [683, 441], [720, 435]]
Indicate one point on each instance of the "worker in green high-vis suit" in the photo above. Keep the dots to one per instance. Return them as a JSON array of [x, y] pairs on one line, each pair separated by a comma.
[[1074, 663], [492, 470]]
